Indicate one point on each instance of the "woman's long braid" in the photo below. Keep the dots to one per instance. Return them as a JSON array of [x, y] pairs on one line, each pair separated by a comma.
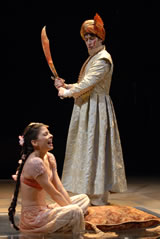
[[12, 208], [30, 133]]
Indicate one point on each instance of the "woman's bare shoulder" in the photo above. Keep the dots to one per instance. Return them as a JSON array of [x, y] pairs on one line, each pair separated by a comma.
[[52, 159], [51, 156]]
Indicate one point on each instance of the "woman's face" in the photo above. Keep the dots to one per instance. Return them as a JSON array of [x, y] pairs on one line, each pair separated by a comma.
[[92, 41], [44, 140]]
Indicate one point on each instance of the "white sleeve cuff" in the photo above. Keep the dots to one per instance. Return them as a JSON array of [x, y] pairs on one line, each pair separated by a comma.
[[67, 93]]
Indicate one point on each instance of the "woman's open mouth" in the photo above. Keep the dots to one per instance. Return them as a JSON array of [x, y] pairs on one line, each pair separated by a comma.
[[50, 143]]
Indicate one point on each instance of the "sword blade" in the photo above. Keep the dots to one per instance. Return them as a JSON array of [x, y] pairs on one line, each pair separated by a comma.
[[46, 50]]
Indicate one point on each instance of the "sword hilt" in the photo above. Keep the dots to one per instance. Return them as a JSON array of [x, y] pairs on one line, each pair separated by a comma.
[[53, 78]]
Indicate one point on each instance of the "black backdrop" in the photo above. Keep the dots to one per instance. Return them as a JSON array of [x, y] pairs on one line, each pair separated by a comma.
[[29, 94]]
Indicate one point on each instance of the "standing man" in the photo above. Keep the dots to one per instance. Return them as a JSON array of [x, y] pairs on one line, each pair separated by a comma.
[[94, 161]]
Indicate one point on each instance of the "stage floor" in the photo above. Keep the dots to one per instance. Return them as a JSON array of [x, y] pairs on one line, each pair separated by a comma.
[[143, 192]]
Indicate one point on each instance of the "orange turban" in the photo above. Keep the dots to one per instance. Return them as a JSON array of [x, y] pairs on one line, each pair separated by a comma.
[[95, 26]]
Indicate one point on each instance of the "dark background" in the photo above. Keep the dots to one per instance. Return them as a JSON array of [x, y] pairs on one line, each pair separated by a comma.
[[29, 94]]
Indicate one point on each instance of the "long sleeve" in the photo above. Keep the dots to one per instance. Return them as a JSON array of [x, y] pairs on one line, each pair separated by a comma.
[[94, 75]]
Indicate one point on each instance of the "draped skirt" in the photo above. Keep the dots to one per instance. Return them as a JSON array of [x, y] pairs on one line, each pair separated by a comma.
[[53, 218], [94, 160]]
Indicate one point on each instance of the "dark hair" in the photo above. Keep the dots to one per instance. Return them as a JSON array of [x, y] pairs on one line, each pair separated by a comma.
[[30, 133], [93, 35]]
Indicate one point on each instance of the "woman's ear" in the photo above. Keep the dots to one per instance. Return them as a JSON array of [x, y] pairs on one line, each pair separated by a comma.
[[34, 143]]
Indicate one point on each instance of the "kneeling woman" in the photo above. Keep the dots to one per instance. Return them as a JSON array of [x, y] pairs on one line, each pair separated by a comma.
[[37, 175]]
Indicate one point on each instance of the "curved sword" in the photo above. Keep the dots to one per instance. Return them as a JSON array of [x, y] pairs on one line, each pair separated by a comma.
[[47, 53]]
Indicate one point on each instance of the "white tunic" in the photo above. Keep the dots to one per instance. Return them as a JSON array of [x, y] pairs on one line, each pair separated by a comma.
[[94, 160]]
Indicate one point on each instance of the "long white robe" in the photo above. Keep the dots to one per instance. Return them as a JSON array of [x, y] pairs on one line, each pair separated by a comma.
[[94, 160]]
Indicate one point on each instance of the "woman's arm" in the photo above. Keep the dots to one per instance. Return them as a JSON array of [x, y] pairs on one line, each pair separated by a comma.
[[55, 194], [39, 173], [59, 186], [56, 180]]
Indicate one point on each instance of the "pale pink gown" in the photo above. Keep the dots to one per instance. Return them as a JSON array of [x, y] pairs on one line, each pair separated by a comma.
[[43, 218]]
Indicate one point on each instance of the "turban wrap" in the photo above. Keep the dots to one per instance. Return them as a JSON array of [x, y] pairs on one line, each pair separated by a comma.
[[95, 26]]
